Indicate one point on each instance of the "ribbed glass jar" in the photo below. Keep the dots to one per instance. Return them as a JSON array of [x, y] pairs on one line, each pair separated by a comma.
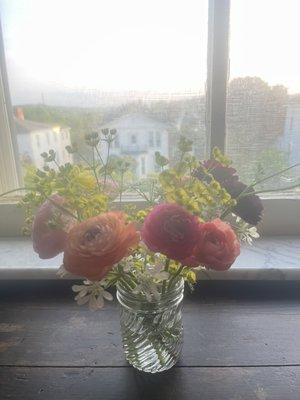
[[152, 332]]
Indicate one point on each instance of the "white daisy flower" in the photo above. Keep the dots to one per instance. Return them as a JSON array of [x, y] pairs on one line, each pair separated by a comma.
[[92, 293], [245, 231], [150, 281]]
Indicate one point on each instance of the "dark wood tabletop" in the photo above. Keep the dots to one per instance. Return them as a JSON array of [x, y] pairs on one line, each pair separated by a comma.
[[241, 341]]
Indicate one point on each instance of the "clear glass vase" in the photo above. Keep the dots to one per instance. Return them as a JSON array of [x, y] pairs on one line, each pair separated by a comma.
[[152, 331]]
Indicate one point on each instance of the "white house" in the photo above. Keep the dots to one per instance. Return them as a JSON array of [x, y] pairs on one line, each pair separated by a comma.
[[138, 136], [34, 138]]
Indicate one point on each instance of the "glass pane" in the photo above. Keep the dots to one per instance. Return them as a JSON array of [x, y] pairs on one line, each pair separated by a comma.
[[263, 105], [80, 66]]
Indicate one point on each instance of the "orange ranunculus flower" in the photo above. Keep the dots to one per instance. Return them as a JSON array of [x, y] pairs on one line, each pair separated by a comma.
[[95, 245]]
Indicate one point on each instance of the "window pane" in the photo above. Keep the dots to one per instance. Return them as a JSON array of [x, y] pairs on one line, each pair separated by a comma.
[[135, 66], [263, 109]]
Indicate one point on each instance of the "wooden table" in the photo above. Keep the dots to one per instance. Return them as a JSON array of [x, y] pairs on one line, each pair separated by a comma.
[[241, 342]]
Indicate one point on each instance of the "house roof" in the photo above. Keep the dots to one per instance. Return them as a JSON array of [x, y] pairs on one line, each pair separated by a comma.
[[134, 120], [26, 126]]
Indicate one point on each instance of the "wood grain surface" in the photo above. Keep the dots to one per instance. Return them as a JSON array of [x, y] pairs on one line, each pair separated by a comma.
[[241, 342]]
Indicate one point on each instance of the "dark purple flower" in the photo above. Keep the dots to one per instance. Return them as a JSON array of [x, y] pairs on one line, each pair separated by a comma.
[[221, 173], [249, 206]]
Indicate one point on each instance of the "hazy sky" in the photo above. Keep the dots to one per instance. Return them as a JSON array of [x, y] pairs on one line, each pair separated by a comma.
[[157, 45]]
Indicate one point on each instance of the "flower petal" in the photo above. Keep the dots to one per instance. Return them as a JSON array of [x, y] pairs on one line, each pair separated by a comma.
[[108, 296], [77, 288], [100, 301], [83, 300], [93, 305]]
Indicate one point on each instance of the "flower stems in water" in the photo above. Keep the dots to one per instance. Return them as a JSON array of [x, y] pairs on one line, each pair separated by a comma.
[[164, 285], [173, 279]]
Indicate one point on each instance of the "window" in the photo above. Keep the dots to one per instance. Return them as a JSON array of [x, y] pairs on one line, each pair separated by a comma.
[[263, 100], [133, 139], [291, 124], [151, 139], [176, 83], [37, 139], [158, 139], [153, 87], [143, 165]]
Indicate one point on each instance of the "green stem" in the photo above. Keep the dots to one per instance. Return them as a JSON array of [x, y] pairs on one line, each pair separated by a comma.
[[56, 163], [178, 272], [99, 155], [275, 174], [123, 281], [133, 278], [141, 193], [61, 208], [48, 198], [121, 187], [85, 160], [15, 190], [106, 163], [275, 190], [129, 281], [102, 162], [164, 285], [179, 165], [152, 191], [95, 172], [244, 193]]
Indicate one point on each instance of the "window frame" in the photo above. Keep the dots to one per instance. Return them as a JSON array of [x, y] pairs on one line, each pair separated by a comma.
[[10, 171], [276, 221]]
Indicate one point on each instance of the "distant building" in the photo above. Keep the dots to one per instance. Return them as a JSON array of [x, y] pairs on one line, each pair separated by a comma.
[[290, 140], [34, 138], [138, 136]]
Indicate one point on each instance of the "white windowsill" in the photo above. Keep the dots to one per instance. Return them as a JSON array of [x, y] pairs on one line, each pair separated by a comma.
[[270, 258]]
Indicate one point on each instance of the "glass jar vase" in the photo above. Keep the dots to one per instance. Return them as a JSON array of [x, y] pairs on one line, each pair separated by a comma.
[[152, 331]]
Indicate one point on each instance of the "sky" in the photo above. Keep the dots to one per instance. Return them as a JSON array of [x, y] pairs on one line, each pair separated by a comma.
[[142, 45]]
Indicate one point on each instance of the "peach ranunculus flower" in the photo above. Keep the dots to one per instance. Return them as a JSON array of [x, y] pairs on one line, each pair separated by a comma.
[[217, 246], [95, 245], [49, 241]]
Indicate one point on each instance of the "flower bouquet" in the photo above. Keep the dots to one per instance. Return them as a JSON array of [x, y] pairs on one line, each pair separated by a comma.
[[193, 216]]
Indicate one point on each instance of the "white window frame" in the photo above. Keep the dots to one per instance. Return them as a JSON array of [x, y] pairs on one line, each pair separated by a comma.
[[282, 213]]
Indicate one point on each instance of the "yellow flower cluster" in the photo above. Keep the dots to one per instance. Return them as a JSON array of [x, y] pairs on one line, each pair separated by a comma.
[[199, 197], [221, 158], [77, 184]]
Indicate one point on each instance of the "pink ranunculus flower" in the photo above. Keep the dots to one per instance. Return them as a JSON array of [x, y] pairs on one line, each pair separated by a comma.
[[49, 241], [217, 246], [171, 230]]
